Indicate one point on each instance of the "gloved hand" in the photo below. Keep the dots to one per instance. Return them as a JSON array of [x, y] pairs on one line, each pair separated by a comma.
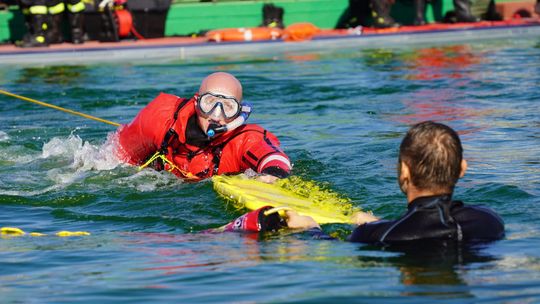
[[254, 221]]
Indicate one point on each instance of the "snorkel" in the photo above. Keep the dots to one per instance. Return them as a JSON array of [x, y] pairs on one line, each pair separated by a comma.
[[215, 129]]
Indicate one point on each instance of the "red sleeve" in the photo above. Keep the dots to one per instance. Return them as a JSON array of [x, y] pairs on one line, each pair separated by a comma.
[[142, 137], [265, 156]]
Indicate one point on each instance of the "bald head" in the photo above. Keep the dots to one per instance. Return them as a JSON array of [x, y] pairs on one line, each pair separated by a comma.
[[222, 83]]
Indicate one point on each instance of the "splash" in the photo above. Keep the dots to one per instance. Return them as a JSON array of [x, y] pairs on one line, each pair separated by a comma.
[[3, 136], [71, 160], [85, 155]]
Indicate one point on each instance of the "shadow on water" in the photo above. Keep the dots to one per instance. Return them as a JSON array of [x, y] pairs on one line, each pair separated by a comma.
[[430, 264], [53, 74]]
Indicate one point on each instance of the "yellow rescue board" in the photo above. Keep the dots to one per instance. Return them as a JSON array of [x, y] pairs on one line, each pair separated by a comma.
[[304, 197]]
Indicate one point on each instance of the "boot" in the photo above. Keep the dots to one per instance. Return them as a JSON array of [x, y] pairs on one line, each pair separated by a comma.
[[55, 35], [491, 13], [272, 16], [419, 7], [76, 21], [380, 11], [463, 11], [37, 34]]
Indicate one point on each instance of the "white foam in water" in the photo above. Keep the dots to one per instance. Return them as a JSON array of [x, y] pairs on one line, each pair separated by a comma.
[[29, 193], [149, 180], [85, 156], [3, 136], [76, 159]]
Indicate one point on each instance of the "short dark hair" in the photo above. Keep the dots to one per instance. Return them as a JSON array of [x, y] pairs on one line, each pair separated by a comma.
[[433, 153]]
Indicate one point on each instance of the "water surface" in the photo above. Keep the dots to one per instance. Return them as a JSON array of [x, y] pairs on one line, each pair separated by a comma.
[[339, 115]]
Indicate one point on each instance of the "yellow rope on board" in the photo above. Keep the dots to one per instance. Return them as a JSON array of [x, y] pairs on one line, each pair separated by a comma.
[[173, 167], [280, 210], [14, 231], [41, 103]]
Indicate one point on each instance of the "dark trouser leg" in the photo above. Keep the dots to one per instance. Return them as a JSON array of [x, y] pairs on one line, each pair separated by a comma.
[[56, 9], [76, 20], [463, 11], [419, 7], [55, 35]]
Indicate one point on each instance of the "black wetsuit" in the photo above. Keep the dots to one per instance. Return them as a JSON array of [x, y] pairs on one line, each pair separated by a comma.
[[434, 218]]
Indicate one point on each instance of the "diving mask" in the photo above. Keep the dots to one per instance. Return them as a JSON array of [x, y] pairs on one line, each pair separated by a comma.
[[208, 102]]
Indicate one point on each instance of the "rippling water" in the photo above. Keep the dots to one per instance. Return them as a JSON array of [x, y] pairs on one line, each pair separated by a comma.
[[340, 117]]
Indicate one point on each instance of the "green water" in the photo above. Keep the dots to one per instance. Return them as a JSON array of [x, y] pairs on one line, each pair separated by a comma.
[[340, 117]]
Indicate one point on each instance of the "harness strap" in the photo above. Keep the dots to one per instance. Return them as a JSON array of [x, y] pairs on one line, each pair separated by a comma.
[[171, 133], [163, 149], [159, 156]]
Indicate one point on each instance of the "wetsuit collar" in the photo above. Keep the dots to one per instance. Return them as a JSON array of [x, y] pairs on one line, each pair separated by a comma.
[[194, 135], [429, 201]]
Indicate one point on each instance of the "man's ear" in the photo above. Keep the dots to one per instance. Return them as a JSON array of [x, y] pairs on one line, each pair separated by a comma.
[[404, 178], [464, 167], [405, 172]]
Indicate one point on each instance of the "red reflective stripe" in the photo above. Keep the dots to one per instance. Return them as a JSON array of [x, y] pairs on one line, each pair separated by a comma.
[[277, 160]]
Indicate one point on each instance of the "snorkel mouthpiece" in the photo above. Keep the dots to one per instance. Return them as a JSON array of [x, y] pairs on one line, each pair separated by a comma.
[[215, 129]]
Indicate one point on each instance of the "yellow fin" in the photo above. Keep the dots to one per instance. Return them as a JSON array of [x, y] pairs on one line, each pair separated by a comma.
[[13, 231], [72, 233], [37, 234]]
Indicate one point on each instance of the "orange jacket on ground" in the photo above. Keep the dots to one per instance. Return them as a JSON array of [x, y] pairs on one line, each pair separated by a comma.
[[248, 146]]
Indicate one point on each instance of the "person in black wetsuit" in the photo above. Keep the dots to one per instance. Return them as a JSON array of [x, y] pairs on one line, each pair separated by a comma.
[[430, 164]]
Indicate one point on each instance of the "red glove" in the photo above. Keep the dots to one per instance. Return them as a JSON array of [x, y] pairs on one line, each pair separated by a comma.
[[254, 221]]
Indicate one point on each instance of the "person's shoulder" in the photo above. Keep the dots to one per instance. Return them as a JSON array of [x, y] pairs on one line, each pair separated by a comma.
[[480, 222], [478, 210]]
